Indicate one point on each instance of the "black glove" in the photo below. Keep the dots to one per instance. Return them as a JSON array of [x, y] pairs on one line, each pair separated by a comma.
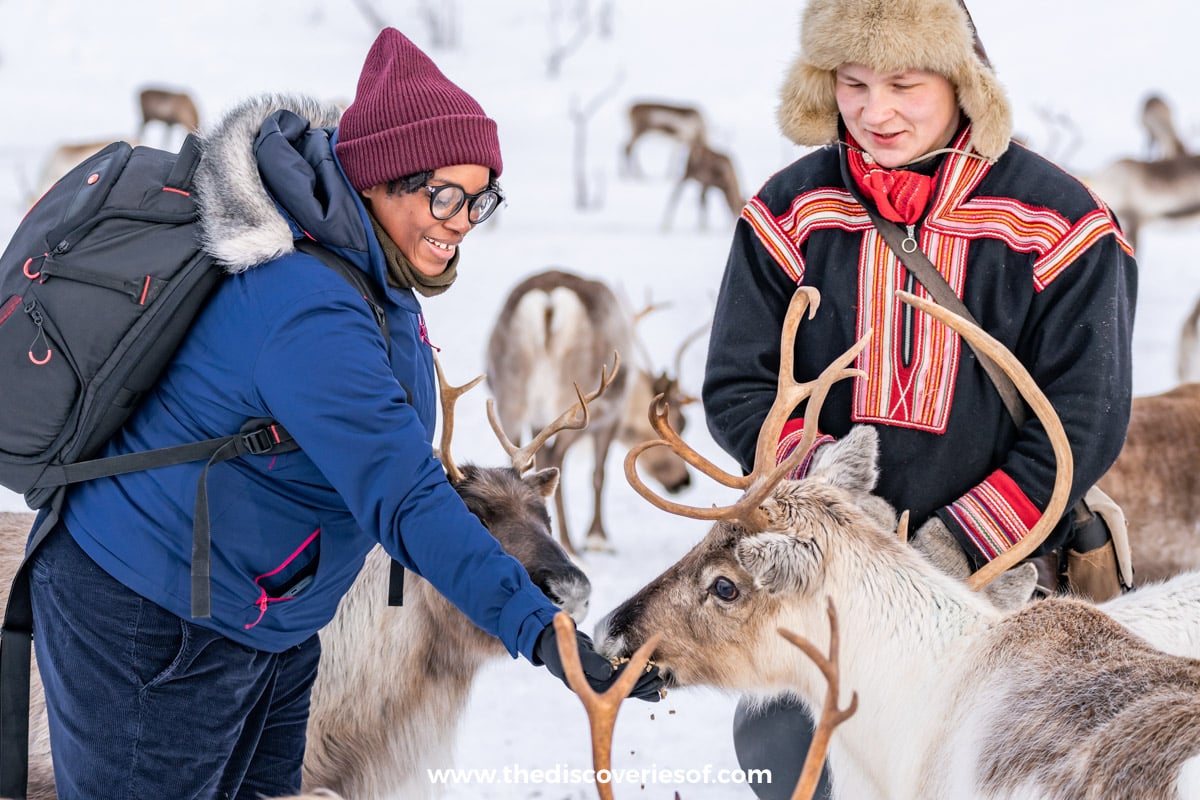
[[598, 670]]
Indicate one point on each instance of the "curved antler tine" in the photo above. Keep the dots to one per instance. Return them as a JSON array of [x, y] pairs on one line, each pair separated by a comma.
[[449, 396], [816, 390], [684, 345], [601, 708], [982, 342], [710, 514], [788, 393], [662, 426], [509, 448], [522, 457]]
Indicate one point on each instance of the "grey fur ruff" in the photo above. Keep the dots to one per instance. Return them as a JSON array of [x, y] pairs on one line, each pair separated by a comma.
[[240, 225]]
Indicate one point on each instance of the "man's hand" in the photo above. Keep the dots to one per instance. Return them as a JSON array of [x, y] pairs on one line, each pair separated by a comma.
[[1010, 590], [597, 669]]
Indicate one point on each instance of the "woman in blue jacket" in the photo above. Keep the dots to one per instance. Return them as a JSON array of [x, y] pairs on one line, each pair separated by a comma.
[[146, 701]]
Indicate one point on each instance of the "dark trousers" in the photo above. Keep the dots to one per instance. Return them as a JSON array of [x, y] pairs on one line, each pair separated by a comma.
[[145, 704], [776, 736]]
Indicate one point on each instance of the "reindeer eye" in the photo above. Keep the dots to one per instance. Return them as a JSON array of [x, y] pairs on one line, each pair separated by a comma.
[[723, 589]]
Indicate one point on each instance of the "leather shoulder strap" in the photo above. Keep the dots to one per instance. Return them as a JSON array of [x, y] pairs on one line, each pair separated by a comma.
[[919, 265]]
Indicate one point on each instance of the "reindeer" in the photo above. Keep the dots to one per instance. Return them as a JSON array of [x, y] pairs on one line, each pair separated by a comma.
[[712, 170], [1156, 482], [684, 124], [1138, 191], [957, 698], [1164, 141], [1187, 356], [553, 328], [169, 108], [393, 682]]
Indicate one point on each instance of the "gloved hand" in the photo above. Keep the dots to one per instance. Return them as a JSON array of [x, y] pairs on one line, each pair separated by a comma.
[[1009, 590], [598, 670], [935, 541]]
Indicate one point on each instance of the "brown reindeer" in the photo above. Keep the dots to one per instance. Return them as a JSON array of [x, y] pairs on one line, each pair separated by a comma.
[[957, 698], [1139, 192], [1163, 138], [684, 124], [554, 328], [169, 108], [711, 170], [393, 682], [1156, 482]]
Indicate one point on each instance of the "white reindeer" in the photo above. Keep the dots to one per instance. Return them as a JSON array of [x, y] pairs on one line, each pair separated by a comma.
[[555, 328], [957, 699], [393, 682]]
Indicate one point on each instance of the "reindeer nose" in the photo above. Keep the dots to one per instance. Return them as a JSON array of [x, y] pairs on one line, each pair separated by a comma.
[[679, 486]]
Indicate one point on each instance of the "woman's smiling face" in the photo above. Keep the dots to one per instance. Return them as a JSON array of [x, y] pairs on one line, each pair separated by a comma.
[[898, 116], [427, 242]]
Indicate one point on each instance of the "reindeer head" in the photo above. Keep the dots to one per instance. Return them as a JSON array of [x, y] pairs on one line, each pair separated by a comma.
[[660, 463], [511, 501], [742, 582]]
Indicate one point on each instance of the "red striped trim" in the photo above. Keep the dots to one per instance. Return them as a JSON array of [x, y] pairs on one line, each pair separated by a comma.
[[145, 291], [176, 191], [995, 515]]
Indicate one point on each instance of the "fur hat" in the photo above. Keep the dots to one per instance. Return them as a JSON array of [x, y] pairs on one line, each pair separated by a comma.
[[889, 36], [408, 117]]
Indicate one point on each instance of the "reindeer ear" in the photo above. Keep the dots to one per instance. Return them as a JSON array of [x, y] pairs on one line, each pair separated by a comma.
[[778, 562], [850, 463], [544, 481]]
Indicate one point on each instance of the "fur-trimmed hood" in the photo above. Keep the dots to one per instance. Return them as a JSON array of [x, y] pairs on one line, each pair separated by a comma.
[[888, 36], [281, 142]]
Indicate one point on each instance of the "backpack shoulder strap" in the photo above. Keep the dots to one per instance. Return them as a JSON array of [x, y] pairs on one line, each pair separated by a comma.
[[364, 283]]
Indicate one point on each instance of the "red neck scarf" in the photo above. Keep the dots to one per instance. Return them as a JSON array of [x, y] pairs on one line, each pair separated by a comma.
[[900, 195]]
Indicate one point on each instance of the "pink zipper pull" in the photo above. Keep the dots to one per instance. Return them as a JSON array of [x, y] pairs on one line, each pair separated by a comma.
[[425, 332]]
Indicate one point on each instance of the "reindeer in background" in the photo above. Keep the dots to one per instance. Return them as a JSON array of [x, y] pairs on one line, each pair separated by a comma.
[[711, 170], [957, 698], [684, 124], [554, 328], [1140, 191], [169, 108], [1163, 137]]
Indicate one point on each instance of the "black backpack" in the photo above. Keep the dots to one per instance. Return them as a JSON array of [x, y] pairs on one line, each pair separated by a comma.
[[98, 286]]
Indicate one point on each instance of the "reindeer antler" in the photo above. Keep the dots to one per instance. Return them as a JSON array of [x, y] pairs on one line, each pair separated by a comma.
[[831, 715], [1028, 389], [766, 474], [601, 708], [449, 397], [522, 457]]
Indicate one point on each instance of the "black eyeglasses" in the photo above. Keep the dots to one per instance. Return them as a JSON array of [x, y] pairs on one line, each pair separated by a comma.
[[447, 200]]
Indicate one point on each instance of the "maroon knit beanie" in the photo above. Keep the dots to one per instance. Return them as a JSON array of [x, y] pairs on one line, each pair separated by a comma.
[[408, 117]]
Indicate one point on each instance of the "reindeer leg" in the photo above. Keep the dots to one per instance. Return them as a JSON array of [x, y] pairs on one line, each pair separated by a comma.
[[553, 457], [597, 538], [672, 201]]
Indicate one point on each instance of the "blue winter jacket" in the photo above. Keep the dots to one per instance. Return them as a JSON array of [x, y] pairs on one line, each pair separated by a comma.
[[286, 337]]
